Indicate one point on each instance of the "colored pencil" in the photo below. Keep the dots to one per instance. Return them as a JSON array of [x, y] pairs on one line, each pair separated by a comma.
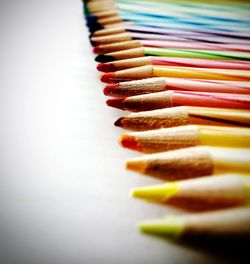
[[191, 162], [206, 193], [184, 53], [146, 102], [159, 16], [128, 36], [160, 84], [220, 222], [184, 115], [167, 30], [176, 62], [149, 71], [165, 139], [118, 46]]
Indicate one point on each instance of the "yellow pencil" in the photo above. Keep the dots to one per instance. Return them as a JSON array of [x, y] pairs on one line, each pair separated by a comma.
[[219, 222], [200, 194]]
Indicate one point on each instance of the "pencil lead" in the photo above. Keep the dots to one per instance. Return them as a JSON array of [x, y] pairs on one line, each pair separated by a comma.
[[171, 226], [116, 103], [119, 122], [90, 18], [93, 43], [96, 49], [104, 58], [107, 77], [130, 142], [105, 67], [93, 27], [109, 89], [160, 192]]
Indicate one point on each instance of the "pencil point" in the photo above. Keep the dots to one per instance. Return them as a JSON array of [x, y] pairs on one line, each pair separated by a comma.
[[116, 102], [171, 226], [93, 43], [94, 27], [104, 58], [119, 122], [107, 77], [135, 165], [158, 192], [130, 142], [96, 49], [110, 88], [105, 67]]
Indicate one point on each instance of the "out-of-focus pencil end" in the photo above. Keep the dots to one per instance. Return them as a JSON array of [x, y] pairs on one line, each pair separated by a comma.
[[110, 88], [170, 226], [107, 77], [104, 58], [130, 142], [116, 103], [105, 67], [119, 122]]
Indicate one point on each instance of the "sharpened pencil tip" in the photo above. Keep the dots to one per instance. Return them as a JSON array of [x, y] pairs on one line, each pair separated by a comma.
[[104, 58], [130, 142], [94, 27], [90, 18], [107, 77], [110, 88], [119, 122], [170, 226], [116, 103], [135, 165], [96, 49], [93, 43], [105, 67], [161, 192]]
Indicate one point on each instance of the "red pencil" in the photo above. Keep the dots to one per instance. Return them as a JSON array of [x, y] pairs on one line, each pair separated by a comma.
[[180, 98]]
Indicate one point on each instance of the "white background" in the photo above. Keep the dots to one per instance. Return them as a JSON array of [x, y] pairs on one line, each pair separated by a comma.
[[64, 192]]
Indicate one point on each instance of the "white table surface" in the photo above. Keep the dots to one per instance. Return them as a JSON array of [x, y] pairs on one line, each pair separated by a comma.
[[64, 192]]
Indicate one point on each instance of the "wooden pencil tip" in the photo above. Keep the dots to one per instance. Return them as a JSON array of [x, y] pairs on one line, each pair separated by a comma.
[[116, 103], [110, 88], [105, 67], [104, 58], [107, 77], [119, 122]]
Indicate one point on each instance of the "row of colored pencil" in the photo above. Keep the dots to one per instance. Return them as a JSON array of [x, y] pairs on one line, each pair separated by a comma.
[[184, 68]]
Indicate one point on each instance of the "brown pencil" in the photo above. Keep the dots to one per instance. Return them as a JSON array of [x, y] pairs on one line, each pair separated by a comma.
[[183, 115]]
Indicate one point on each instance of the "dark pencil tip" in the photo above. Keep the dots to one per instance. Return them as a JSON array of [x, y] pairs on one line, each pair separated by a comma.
[[116, 103], [104, 58], [91, 18], [94, 27], [118, 122], [93, 43]]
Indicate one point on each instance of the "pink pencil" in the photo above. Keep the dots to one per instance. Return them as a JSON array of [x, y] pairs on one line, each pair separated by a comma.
[[166, 99], [106, 48], [195, 45], [160, 84]]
